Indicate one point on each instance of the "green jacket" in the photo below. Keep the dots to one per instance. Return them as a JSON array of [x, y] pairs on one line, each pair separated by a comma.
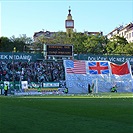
[[66, 90], [39, 89], [6, 87], [113, 89]]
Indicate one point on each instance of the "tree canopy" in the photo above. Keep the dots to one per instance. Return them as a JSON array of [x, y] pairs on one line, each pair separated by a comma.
[[92, 44]]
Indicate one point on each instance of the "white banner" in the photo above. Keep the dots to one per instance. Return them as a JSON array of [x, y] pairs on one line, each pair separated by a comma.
[[24, 84], [81, 73]]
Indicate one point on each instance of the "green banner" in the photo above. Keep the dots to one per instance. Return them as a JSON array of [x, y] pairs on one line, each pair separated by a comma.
[[14, 56], [119, 59], [12, 85]]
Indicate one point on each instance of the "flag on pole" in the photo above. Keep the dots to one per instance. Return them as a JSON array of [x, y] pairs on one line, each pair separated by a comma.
[[75, 67]]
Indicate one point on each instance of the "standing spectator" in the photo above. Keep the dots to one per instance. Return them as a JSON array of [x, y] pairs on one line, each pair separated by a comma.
[[89, 91], [66, 90], [6, 89], [114, 88]]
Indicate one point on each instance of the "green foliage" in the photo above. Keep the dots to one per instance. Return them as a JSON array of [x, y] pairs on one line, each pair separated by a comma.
[[95, 44], [20, 43], [5, 44], [110, 47], [78, 40], [83, 44], [128, 49], [117, 45]]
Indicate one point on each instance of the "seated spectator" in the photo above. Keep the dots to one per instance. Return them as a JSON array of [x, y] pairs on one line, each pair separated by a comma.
[[32, 71]]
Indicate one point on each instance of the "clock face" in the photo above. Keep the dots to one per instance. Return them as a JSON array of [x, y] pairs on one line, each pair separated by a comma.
[[69, 23]]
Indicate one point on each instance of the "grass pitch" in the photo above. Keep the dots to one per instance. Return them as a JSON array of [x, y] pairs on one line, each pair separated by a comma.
[[99, 113]]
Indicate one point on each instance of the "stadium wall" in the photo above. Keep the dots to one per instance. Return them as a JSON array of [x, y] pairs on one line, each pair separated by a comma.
[[15, 56]]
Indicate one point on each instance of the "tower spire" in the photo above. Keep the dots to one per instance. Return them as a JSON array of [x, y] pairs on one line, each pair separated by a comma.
[[69, 23], [69, 11]]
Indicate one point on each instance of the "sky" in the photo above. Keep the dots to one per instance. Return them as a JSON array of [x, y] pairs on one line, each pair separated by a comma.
[[18, 17]]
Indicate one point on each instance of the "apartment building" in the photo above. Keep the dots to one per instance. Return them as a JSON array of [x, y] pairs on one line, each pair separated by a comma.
[[45, 34], [123, 31]]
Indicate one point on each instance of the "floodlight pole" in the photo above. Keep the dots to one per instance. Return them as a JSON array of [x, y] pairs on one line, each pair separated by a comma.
[[14, 50]]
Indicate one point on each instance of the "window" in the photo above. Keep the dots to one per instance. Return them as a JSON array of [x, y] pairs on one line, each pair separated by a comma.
[[129, 35]]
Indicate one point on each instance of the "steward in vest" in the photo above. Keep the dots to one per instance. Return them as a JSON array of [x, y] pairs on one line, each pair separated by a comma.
[[92, 88], [6, 89], [66, 90], [39, 88], [114, 89]]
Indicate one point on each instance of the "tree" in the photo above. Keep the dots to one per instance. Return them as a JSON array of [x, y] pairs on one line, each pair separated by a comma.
[[5, 45], [116, 45], [128, 49], [110, 47], [95, 44], [21, 43], [78, 40]]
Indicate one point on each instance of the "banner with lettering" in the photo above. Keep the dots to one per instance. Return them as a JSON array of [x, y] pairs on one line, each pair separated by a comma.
[[103, 74], [112, 58], [15, 56]]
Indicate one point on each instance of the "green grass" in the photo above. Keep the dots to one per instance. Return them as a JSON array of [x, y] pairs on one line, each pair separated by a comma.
[[101, 113]]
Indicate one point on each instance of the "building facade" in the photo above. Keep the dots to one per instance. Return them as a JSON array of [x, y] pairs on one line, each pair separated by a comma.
[[45, 34], [123, 31]]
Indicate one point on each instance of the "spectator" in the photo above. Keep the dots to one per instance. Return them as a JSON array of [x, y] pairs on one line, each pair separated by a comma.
[[32, 72], [6, 89]]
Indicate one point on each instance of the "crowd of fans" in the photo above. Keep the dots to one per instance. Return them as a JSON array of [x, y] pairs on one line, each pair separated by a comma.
[[32, 71]]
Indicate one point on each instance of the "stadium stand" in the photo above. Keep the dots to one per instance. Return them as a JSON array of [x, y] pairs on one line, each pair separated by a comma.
[[39, 71]]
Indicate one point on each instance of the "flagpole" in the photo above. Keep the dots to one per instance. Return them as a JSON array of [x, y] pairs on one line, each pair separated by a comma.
[[96, 85]]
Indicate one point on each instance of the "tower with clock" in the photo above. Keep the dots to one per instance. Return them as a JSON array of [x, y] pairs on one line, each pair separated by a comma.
[[69, 24]]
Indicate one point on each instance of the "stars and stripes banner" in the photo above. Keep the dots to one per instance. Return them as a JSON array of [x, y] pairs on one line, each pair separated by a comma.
[[75, 67], [80, 73]]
